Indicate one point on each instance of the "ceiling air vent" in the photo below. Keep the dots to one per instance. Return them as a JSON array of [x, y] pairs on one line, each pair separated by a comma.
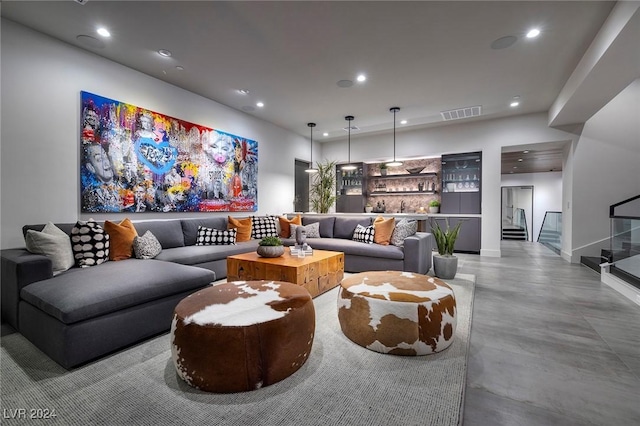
[[353, 128], [457, 114]]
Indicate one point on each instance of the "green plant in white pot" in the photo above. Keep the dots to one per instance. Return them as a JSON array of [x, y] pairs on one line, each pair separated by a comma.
[[270, 247], [434, 206], [445, 264]]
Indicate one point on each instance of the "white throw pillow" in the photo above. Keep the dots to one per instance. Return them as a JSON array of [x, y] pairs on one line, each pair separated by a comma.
[[54, 243]]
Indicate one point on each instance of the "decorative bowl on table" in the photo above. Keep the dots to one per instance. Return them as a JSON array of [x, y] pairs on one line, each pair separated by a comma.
[[415, 170]]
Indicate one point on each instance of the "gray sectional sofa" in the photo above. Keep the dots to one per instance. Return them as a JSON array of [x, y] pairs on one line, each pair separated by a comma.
[[85, 313]]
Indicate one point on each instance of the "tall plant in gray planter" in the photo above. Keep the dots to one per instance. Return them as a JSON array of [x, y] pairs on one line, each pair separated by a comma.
[[445, 264]]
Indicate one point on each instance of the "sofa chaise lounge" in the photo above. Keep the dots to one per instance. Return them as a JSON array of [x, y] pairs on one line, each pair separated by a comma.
[[85, 313]]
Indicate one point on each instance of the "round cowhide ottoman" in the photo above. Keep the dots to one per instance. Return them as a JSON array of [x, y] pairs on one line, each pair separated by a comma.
[[399, 313], [243, 335]]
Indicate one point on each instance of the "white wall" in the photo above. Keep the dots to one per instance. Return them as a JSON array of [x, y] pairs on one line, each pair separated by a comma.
[[606, 170], [547, 193], [488, 136], [41, 83]]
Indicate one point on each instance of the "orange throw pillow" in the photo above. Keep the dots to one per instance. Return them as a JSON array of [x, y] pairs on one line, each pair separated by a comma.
[[243, 225], [121, 237], [285, 225], [382, 230]]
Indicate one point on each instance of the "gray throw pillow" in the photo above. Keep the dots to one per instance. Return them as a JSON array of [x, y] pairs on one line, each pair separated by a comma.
[[312, 229], [405, 228], [54, 243], [147, 246]]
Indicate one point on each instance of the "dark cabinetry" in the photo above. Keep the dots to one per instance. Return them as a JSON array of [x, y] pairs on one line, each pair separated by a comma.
[[468, 240], [461, 183], [349, 188]]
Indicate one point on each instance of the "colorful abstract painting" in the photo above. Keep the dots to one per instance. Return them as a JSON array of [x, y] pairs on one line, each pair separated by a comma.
[[136, 160]]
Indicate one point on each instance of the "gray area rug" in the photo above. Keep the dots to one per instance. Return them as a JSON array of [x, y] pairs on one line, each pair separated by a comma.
[[341, 384]]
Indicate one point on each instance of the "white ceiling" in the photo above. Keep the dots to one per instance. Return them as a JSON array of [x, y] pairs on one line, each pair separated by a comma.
[[424, 57]]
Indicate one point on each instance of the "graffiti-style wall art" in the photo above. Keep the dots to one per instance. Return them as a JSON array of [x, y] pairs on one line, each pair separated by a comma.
[[136, 160]]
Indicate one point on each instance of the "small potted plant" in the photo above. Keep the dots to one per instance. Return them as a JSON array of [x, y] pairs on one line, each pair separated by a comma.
[[270, 247], [383, 169], [434, 206], [445, 264]]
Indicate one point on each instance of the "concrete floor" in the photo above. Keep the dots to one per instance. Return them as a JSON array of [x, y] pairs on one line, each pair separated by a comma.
[[550, 344]]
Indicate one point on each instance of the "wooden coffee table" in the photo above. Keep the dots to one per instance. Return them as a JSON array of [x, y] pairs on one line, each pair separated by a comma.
[[317, 273]]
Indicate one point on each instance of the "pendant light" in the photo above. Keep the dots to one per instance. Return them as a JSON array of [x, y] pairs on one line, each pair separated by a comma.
[[394, 163], [349, 166], [311, 169]]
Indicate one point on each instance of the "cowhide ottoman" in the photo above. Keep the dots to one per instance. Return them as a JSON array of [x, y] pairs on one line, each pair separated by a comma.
[[243, 335], [399, 313]]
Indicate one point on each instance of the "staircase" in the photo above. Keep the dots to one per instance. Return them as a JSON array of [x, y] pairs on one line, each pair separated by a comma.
[[517, 233]]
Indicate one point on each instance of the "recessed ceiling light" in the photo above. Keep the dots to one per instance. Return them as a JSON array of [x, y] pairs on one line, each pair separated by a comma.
[[243, 91], [403, 122], [103, 32], [525, 151], [325, 134], [259, 104], [514, 104], [180, 68], [361, 78], [520, 159], [345, 83], [515, 167], [534, 32], [164, 52]]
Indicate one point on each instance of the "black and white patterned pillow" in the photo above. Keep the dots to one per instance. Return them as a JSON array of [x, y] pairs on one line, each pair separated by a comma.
[[146, 246], [263, 226], [90, 243], [363, 234], [215, 237], [404, 228], [312, 230]]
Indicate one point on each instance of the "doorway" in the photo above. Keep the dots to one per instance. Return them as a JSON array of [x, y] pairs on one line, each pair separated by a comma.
[[301, 187], [517, 213]]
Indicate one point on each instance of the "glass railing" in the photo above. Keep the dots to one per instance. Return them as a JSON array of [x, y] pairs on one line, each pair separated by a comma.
[[551, 231], [520, 220], [624, 251]]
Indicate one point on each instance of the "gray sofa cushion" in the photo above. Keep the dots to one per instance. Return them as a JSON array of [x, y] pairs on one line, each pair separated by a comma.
[[190, 227], [194, 255], [81, 294], [168, 232], [326, 225], [345, 226], [349, 247]]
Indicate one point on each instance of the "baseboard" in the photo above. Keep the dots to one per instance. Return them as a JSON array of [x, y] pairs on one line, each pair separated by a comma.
[[627, 290], [490, 253]]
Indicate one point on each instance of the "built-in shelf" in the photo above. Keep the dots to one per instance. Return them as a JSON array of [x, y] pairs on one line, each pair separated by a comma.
[[376, 193], [417, 175]]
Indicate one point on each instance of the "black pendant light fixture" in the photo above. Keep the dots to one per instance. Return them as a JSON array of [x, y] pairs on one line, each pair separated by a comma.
[[349, 166], [311, 169], [394, 163]]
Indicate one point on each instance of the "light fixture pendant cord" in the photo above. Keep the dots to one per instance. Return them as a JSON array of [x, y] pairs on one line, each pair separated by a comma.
[[349, 153], [394, 135], [311, 127]]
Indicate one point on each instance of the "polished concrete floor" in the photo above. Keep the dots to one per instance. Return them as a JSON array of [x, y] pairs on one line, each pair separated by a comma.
[[550, 344]]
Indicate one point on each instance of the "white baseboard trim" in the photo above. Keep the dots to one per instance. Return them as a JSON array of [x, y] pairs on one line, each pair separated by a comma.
[[627, 290], [490, 253]]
